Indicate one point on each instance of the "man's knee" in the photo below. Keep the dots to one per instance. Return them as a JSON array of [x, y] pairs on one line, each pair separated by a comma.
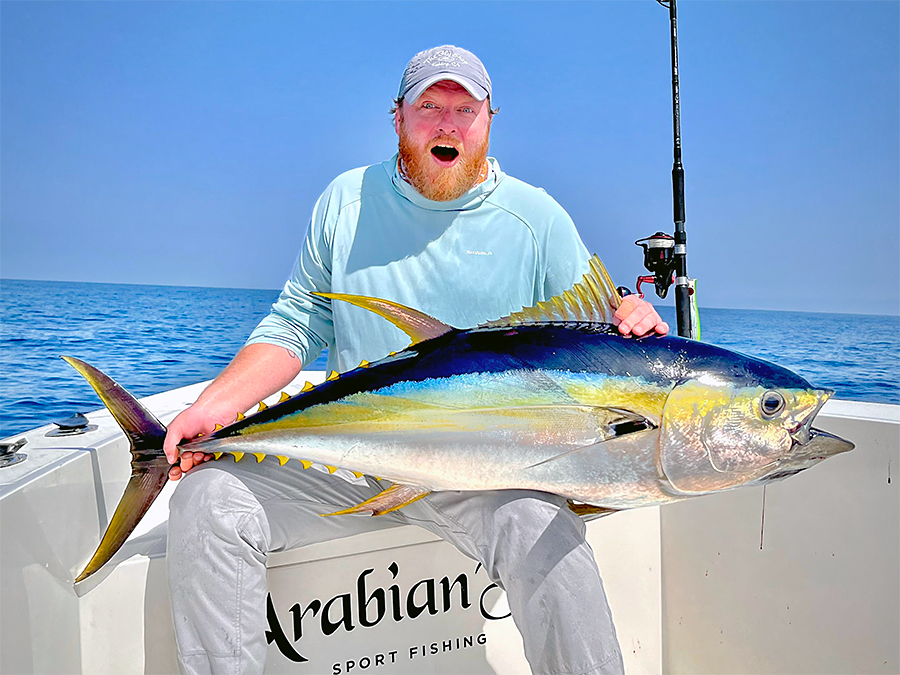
[[211, 501], [532, 530]]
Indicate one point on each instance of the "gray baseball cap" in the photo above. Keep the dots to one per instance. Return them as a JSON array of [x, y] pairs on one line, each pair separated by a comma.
[[444, 63]]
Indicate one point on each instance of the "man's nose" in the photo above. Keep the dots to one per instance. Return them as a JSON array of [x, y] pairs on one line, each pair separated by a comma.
[[447, 123]]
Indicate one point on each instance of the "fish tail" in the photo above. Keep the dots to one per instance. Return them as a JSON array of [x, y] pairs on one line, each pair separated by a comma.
[[149, 466]]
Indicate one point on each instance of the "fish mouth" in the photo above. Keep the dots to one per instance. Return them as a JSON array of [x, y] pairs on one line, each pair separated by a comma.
[[445, 155], [822, 444], [802, 432], [819, 445]]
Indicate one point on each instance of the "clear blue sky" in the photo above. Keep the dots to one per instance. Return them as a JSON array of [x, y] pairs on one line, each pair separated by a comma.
[[185, 143]]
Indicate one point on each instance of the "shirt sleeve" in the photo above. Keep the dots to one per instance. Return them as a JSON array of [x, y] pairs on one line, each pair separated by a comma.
[[565, 256], [298, 320]]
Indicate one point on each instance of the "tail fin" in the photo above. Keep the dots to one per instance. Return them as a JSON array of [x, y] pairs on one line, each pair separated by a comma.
[[149, 466]]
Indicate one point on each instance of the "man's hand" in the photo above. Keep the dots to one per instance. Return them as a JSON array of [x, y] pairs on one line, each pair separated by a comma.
[[257, 371], [638, 317], [189, 424]]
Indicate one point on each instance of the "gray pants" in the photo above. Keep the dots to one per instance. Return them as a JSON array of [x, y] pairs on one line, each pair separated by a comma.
[[226, 517]]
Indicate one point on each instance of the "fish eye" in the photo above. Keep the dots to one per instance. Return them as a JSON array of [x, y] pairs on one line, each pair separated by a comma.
[[771, 404]]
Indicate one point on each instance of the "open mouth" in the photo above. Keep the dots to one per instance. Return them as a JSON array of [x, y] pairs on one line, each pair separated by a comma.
[[444, 153]]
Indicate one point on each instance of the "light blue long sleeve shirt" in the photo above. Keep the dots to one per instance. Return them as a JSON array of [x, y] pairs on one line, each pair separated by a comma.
[[502, 246]]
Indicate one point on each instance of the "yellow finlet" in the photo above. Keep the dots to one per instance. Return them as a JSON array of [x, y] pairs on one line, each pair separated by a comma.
[[331, 469], [240, 416], [393, 354], [284, 397], [262, 406], [306, 464], [217, 427], [358, 474], [218, 455], [363, 364], [238, 456], [282, 459], [307, 387], [260, 456], [332, 376]]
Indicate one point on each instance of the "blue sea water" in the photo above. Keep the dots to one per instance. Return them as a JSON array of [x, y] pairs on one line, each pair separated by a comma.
[[154, 338]]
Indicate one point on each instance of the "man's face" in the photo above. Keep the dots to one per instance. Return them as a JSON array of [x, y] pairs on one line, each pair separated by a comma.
[[443, 140]]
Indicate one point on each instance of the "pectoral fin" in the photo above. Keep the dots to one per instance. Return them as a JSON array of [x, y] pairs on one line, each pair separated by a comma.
[[395, 497], [612, 423]]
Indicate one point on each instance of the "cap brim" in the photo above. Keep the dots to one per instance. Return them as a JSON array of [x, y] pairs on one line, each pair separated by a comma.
[[478, 92]]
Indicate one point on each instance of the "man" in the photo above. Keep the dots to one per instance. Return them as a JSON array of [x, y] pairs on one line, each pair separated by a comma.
[[440, 228]]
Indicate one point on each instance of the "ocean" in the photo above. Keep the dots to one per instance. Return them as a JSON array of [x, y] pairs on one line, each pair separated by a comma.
[[154, 338]]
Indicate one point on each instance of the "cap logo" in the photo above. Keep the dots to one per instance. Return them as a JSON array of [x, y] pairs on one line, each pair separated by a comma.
[[446, 57]]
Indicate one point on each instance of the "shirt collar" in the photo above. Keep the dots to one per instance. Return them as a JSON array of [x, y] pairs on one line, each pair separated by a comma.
[[473, 198]]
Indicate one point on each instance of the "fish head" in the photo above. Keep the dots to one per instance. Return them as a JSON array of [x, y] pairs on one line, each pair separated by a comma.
[[720, 432]]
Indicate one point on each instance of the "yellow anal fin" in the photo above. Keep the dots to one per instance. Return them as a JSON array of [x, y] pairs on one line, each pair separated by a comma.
[[395, 497], [418, 325], [589, 510]]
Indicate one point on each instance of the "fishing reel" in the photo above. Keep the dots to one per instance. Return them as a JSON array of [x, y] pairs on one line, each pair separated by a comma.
[[659, 258]]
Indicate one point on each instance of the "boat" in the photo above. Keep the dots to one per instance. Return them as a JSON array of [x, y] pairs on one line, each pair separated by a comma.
[[804, 577]]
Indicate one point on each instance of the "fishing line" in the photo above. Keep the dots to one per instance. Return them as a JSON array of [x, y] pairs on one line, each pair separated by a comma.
[[762, 526]]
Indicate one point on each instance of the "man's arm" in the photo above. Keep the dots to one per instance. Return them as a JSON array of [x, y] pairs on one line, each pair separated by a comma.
[[257, 371]]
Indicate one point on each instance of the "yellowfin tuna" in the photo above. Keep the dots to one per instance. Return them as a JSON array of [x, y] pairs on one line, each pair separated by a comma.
[[551, 398]]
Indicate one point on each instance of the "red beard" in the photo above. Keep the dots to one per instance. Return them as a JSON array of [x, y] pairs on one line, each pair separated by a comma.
[[437, 183]]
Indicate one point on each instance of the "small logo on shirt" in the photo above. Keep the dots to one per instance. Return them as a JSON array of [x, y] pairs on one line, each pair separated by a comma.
[[469, 252]]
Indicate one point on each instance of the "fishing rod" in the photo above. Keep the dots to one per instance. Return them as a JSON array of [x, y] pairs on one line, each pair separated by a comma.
[[664, 255]]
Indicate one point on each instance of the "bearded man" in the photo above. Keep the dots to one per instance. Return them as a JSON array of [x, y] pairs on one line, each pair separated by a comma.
[[438, 227]]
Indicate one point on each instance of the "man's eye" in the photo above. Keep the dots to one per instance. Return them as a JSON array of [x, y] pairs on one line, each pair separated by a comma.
[[468, 110], [429, 105]]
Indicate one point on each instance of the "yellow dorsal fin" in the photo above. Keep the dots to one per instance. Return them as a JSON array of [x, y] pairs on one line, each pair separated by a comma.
[[307, 387], [262, 406], [284, 397], [240, 416], [418, 325], [593, 299], [332, 376]]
